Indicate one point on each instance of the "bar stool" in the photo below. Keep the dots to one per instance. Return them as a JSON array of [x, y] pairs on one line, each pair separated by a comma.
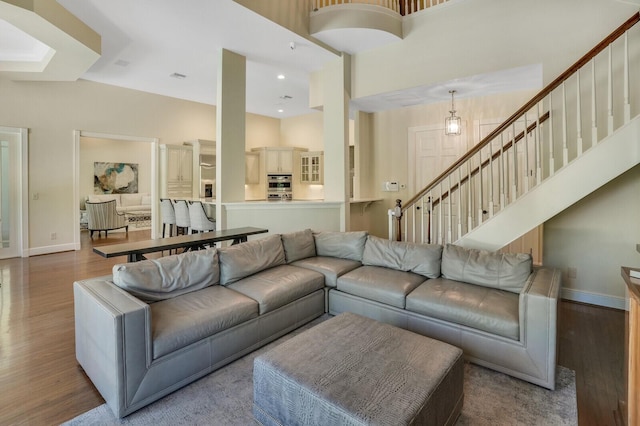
[[200, 222], [182, 217], [168, 215]]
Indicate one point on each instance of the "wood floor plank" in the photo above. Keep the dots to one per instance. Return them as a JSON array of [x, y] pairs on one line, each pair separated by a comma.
[[41, 382]]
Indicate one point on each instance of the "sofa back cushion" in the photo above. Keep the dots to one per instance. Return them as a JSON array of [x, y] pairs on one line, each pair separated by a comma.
[[127, 200], [241, 260], [345, 245], [152, 280], [504, 271], [101, 198], [298, 245], [423, 259]]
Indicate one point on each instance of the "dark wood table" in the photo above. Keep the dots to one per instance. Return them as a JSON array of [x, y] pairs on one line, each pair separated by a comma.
[[135, 251]]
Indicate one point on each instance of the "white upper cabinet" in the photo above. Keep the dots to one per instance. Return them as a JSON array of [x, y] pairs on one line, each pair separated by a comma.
[[311, 167]]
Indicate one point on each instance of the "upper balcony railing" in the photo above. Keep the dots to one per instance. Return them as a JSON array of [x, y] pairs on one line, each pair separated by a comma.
[[403, 7]]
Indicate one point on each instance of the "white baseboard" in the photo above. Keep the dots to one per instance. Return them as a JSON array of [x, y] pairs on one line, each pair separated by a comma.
[[51, 249], [594, 298]]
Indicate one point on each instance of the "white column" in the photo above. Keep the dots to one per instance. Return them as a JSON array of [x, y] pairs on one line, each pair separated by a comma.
[[230, 132], [336, 90]]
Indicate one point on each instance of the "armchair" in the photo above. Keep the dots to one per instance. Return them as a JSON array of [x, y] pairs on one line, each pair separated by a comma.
[[104, 217]]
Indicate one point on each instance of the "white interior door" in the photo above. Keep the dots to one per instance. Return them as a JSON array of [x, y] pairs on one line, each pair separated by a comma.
[[431, 152], [10, 192]]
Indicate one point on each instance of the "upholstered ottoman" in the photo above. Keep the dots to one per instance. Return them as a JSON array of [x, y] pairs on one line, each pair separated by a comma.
[[351, 370]]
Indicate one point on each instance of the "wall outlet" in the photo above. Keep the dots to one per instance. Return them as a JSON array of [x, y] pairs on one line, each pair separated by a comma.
[[54, 236]]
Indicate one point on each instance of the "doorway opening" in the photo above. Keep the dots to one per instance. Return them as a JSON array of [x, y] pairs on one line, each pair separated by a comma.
[[92, 149], [14, 198]]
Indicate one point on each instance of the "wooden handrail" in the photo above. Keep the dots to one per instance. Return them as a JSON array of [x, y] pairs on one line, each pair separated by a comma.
[[526, 107]]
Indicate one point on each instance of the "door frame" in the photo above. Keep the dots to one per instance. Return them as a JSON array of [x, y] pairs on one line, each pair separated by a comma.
[[77, 134], [22, 185]]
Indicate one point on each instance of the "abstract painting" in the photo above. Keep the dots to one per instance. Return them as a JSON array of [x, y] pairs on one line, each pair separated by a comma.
[[115, 178]]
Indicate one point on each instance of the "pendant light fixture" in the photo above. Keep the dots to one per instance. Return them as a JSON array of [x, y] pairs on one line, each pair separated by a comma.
[[452, 125]]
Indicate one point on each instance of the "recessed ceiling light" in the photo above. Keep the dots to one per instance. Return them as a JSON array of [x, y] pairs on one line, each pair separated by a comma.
[[281, 77], [280, 110], [122, 63], [178, 75]]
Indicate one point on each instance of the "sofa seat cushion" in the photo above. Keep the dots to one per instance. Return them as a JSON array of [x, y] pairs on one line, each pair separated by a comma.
[[380, 284], [181, 321], [275, 287], [482, 308], [330, 267]]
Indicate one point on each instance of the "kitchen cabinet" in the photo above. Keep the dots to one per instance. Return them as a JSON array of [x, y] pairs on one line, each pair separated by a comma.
[[176, 163], [279, 160], [311, 167]]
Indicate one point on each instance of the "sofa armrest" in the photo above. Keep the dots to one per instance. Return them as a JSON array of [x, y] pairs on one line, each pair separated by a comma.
[[539, 318], [113, 339]]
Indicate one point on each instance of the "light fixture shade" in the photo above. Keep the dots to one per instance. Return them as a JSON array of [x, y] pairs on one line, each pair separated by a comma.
[[452, 125]]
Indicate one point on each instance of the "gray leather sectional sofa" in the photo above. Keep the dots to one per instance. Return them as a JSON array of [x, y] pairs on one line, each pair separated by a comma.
[[157, 325]]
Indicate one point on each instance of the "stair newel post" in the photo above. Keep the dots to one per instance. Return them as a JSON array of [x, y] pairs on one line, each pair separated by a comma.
[[578, 115], [594, 119], [397, 213], [627, 105]]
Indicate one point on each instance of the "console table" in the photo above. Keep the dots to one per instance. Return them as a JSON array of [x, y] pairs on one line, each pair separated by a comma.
[[136, 251], [632, 343]]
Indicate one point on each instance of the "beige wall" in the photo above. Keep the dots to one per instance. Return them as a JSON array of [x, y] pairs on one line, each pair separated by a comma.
[[52, 111], [597, 236], [459, 38], [115, 151]]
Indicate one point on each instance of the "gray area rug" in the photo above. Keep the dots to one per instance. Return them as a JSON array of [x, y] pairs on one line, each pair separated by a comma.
[[225, 397]]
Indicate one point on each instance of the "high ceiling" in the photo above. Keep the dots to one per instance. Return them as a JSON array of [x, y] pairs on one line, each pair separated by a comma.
[[163, 47]]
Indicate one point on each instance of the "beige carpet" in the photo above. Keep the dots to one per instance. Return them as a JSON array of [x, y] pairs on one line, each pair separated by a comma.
[[225, 397]]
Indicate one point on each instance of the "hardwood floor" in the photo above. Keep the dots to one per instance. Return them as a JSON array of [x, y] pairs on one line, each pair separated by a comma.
[[41, 382]]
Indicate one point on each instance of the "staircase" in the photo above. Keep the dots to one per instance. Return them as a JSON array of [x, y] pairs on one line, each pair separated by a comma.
[[573, 137]]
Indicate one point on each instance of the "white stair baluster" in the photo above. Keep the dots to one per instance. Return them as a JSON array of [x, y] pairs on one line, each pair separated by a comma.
[[565, 149], [514, 183], [480, 198], [469, 206], [578, 116], [459, 202], [449, 219], [491, 176], [440, 239], [627, 105], [502, 173], [538, 142], [552, 165], [526, 156], [610, 95], [594, 118]]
